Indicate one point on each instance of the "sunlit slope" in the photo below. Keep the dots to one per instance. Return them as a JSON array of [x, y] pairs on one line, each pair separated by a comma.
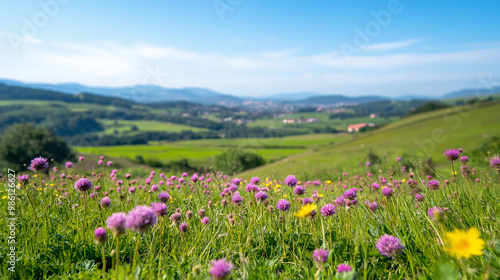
[[425, 135]]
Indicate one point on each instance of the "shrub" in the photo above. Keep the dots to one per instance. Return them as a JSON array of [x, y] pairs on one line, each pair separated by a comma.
[[237, 160], [21, 143]]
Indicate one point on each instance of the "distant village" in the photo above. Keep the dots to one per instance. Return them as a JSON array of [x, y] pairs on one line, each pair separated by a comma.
[[311, 120]]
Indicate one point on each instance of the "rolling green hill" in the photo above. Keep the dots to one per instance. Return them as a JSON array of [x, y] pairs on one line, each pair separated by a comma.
[[421, 136], [123, 127], [201, 152]]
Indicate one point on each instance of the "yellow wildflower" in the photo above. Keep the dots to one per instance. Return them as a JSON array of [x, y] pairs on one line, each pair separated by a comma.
[[4, 197], [285, 195], [404, 180], [306, 210], [464, 244]]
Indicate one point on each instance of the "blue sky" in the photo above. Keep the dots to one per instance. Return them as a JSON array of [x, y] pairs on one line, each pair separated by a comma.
[[254, 48]]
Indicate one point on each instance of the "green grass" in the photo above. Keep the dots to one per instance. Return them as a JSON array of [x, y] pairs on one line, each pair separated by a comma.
[[423, 136], [202, 152], [75, 107], [167, 153], [125, 127], [54, 228], [309, 140]]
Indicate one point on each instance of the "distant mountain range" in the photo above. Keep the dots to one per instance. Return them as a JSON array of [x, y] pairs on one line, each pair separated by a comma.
[[153, 93], [472, 92], [138, 93]]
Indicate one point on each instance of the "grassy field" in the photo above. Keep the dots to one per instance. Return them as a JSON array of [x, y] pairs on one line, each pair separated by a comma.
[[201, 152], [75, 107], [421, 136], [125, 127], [337, 123], [117, 226], [302, 141]]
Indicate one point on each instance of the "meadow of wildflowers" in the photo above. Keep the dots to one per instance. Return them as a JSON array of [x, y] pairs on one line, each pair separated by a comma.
[[396, 224]]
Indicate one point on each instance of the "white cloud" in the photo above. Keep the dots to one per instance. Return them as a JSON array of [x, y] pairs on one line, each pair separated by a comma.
[[384, 47], [279, 54], [110, 64], [33, 40]]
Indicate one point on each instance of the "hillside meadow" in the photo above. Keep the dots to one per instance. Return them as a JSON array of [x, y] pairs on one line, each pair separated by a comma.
[[107, 223], [201, 152], [418, 137]]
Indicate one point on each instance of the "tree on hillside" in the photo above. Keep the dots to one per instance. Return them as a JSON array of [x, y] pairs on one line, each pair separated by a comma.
[[237, 160], [20, 143]]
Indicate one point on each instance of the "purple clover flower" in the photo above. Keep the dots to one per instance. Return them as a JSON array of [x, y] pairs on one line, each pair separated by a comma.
[[433, 185], [283, 205], [320, 256], [261, 196], [464, 159], [252, 188], [255, 180], [176, 217], [163, 197], [237, 199], [141, 218], [495, 163], [83, 185], [194, 178], [341, 268], [412, 183], [299, 190], [350, 194], [236, 181], [389, 246], [373, 206], [39, 164], [100, 236], [433, 213], [233, 188], [387, 192], [160, 208], [307, 200], [340, 201], [328, 210], [105, 202], [220, 269], [117, 223], [291, 181], [183, 227], [23, 179], [420, 197], [451, 155]]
